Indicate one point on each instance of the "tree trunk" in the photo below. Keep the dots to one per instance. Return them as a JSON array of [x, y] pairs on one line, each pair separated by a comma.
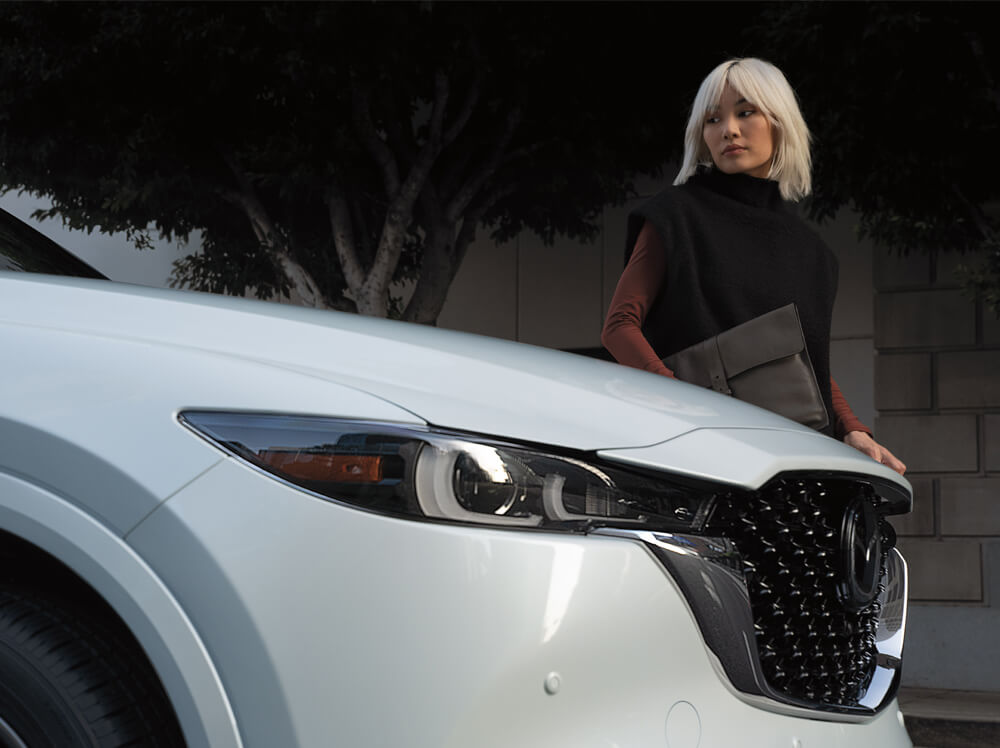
[[436, 274], [370, 299], [443, 254], [301, 281]]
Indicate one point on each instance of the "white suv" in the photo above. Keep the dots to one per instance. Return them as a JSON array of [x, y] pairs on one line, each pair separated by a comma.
[[233, 523]]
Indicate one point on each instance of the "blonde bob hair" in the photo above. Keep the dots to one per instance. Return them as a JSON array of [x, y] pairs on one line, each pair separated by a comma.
[[764, 86]]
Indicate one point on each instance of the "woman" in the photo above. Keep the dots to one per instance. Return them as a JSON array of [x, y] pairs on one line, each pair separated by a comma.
[[722, 246]]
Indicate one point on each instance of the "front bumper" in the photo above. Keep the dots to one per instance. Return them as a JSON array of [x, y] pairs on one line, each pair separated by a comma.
[[332, 626], [710, 574]]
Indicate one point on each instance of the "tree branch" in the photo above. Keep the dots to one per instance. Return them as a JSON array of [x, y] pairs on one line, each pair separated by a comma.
[[362, 238], [399, 214], [443, 255], [343, 238], [429, 205], [466, 234], [365, 128], [975, 41], [268, 236], [470, 222], [468, 105], [403, 144], [267, 232], [259, 220], [302, 281], [441, 91], [451, 167], [246, 198], [526, 150], [976, 214], [473, 184]]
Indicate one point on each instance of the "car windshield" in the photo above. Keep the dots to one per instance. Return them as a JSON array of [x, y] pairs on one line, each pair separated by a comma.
[[23, 249]]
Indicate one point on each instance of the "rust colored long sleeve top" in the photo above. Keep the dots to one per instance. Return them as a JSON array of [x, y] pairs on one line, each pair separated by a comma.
[[637, 289]]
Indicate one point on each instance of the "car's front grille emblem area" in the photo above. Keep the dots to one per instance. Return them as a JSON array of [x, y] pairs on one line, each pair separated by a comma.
[[812, 645]]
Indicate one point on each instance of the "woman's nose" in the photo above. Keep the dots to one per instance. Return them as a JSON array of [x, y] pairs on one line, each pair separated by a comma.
[[731, 128]]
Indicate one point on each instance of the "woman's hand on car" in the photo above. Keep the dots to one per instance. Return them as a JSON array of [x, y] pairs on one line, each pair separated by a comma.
[[863, 442]]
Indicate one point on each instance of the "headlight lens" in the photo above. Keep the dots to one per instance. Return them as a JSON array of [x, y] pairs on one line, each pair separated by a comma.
[[432, 474]]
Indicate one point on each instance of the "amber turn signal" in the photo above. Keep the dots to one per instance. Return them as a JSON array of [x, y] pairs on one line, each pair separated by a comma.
[[324, 467]]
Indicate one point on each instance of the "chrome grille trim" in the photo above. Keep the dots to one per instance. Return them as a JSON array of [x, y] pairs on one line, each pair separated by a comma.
[[717, 580]]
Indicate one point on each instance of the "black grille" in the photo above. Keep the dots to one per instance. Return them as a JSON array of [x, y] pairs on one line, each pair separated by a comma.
[[811, 647]]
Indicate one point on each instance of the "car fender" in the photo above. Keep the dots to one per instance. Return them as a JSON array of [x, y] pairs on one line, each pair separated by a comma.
[[94, 417], [137, 595]]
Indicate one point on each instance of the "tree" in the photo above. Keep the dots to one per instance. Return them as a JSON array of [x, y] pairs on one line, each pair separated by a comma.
[[903, 100], [332, 149]]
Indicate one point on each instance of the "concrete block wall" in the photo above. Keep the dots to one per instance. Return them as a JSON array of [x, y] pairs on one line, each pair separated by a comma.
[[937, 393], [554, 296]]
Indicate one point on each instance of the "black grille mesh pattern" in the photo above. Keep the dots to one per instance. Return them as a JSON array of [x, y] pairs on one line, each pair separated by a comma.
[[811, 647]]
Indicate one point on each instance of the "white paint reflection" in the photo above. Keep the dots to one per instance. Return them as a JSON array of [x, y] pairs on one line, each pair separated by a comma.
[[478, 560], [647, 397], [566, 568]]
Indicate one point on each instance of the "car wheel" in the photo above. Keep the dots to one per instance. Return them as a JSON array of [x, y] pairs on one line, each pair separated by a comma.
[[72, 679]]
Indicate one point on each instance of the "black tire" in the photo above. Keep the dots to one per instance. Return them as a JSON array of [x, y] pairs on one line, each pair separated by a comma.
[[70, 678]]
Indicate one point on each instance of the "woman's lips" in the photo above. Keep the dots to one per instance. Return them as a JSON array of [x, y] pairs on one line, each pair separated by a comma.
[[733, 149]]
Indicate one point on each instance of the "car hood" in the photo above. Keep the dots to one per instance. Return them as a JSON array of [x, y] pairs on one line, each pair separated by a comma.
[[446, 378]]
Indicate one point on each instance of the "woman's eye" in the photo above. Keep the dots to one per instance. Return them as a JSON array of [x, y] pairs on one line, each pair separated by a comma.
[[711, 120], [748, 112]]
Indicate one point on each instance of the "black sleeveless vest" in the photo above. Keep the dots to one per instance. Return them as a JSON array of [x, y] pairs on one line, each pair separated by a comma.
[[735, 250]]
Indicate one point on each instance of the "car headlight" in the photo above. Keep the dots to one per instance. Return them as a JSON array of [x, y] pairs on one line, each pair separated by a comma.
[[447, 476]]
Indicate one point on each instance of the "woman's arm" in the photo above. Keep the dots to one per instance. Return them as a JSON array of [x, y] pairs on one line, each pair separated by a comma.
[[844, 420], [636, 291], [864, 442], [854, 433]]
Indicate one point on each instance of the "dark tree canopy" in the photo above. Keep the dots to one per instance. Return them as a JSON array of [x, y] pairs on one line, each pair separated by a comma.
[[904, 103], [333, 148]]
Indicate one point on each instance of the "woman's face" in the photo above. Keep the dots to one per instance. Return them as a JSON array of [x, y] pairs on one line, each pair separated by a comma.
[[738, 135]]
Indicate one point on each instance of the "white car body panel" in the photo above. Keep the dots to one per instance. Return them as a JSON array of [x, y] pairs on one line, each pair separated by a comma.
[[125, 414], [276, 618], [750, 457], [448, 378], [517, 606]]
